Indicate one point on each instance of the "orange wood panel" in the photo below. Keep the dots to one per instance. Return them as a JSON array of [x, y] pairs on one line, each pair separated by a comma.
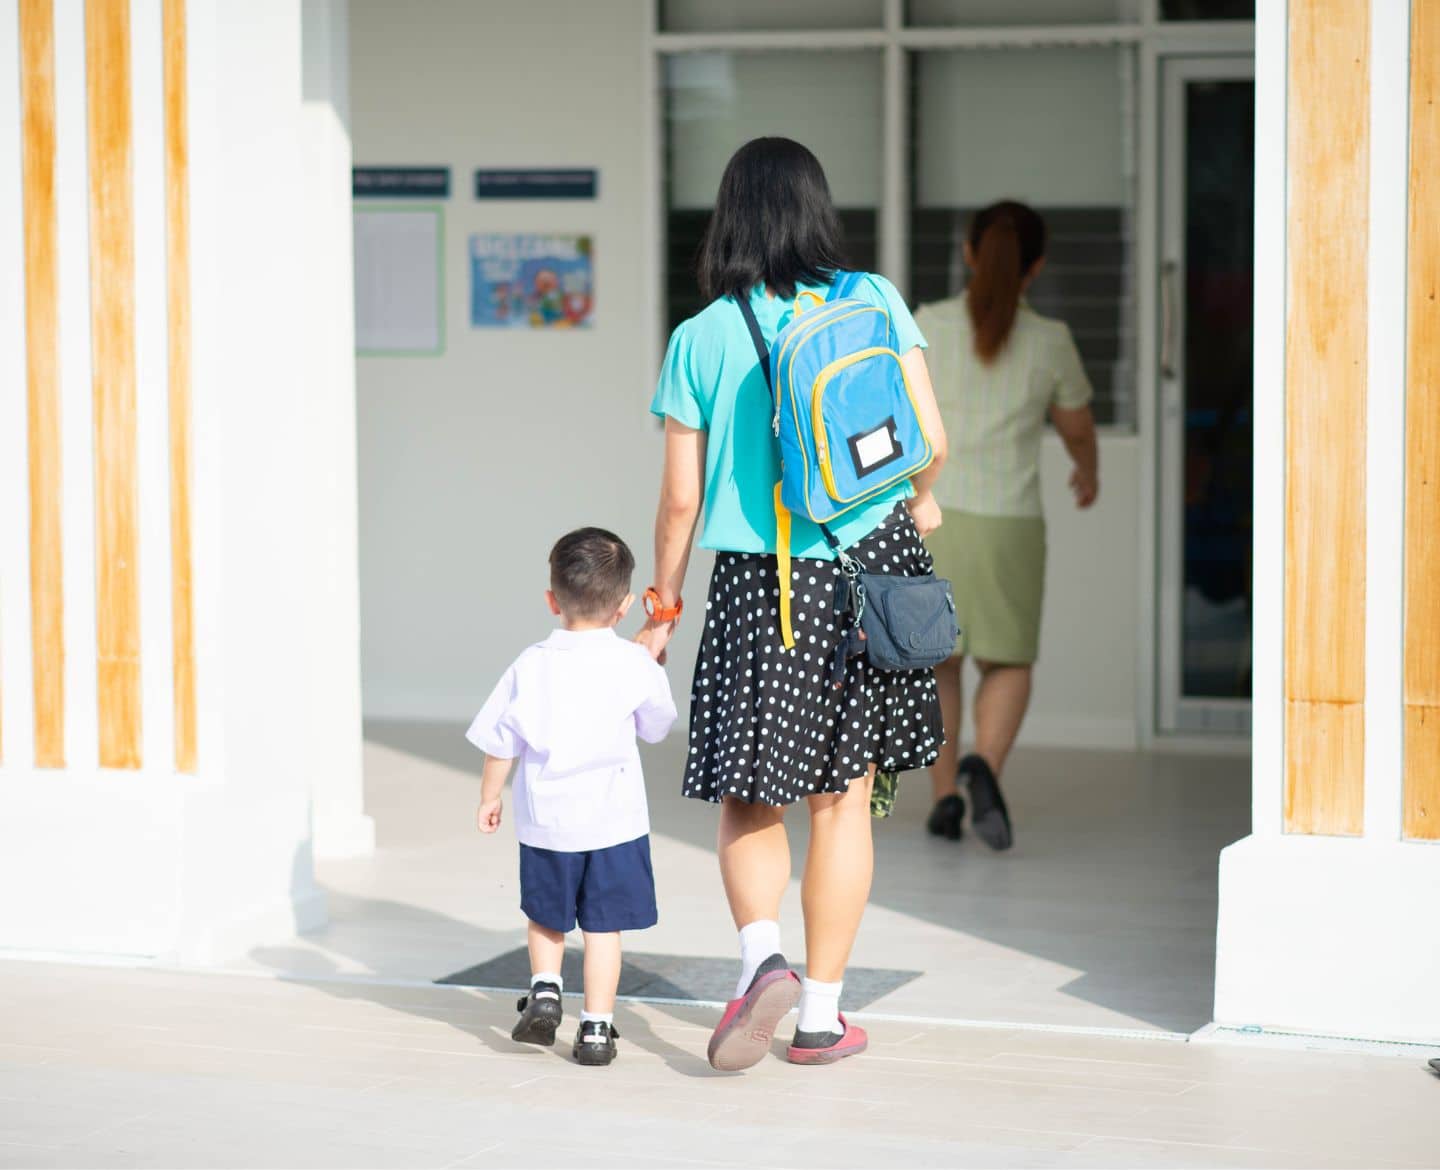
[[1422, 435], [112, 314], [1326, 248], [177, 240], [42, 372], [1321, 738]]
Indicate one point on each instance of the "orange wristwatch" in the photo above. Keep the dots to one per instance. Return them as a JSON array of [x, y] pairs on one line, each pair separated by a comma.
[[662, 613]]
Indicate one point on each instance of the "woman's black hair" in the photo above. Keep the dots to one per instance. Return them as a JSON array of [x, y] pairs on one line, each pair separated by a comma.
[[773, 223]]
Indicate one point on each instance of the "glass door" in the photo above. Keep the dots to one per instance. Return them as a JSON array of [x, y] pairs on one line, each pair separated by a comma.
[[1206, 430]]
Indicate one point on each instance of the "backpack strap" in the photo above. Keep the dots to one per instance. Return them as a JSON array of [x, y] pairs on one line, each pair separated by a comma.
[[844, 284], [782, 513], [762, 351]]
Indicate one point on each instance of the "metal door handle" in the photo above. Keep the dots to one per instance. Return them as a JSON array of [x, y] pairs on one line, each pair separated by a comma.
[[1168, 272]]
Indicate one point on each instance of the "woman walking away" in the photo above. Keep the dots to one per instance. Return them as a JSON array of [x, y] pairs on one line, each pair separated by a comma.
[[771, 727], [999, 367]]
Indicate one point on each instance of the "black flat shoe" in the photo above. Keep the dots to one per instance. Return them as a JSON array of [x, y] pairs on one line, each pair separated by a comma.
[[988, 816], [946, 817], [595, 1043], [540, 1014]]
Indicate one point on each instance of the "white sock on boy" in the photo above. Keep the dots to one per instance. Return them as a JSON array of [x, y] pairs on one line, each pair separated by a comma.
[[548, 977], [597, 1017], [820, 1007], [758, 941]]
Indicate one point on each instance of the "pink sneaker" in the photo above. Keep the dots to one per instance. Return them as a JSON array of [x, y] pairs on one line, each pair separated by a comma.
[[827, 1047], [742, 1037]]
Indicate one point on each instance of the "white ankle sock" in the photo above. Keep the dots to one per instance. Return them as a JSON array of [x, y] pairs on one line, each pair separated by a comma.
[[548, 977], [819, 1007], [758, 941], [597, 1017]]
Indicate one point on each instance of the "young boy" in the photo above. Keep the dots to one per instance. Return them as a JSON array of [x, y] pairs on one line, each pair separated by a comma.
[[569, 710]]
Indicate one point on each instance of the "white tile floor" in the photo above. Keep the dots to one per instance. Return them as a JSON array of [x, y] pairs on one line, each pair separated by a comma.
[[1103, 915], [337, 1050], [106, 1067]]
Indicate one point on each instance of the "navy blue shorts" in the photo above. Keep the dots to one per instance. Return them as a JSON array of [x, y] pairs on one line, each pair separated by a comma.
[[603, 889]]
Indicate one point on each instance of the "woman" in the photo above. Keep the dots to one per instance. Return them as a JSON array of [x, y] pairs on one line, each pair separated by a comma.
[[999, 367], [767, 728]]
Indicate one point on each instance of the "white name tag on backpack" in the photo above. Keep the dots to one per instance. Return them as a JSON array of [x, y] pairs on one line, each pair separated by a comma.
[[875, 449]]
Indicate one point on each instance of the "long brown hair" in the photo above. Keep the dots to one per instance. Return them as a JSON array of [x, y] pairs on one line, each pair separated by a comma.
[[1006, 241]]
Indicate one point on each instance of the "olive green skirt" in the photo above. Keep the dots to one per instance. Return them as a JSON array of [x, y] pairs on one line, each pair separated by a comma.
[[996, 566]]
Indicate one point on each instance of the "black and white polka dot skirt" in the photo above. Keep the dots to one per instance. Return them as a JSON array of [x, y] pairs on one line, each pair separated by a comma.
[[769, 724]]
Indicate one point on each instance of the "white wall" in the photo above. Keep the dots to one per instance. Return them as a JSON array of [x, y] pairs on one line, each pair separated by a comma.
[[456, 514], [473, 463], [1086, 688]]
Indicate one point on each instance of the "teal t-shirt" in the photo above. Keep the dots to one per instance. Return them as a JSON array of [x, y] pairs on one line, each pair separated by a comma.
[[712, 381]]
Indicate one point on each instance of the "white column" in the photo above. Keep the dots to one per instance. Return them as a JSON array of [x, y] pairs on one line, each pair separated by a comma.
[[1332, 935], [148, 862], [17, 731], [341, 826], [152, 380]]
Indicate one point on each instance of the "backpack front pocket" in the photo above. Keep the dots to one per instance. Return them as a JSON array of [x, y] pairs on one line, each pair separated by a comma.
[[867, 434]]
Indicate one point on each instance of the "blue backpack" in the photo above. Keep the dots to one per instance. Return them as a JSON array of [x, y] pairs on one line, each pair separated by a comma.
[[845, 416]]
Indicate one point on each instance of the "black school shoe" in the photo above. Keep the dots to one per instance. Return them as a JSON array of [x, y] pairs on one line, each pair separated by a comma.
[[595, 1042], [540, 1014], [946, 817], [988, 816]]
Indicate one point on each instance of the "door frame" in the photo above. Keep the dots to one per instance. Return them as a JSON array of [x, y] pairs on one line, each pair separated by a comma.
[[1175, 714]]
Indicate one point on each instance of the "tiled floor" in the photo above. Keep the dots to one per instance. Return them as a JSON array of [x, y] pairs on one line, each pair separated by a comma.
[[110, 1067], [1103, 915]]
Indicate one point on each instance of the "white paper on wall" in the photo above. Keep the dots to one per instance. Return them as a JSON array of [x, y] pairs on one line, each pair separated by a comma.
[[398, 299]]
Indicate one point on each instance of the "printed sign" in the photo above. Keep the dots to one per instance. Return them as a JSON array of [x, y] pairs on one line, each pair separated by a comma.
[[400, 182], [531, 281], [566, 183]]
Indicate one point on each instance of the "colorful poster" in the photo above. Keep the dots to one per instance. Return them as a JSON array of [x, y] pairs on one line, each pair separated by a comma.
[[531, 281]]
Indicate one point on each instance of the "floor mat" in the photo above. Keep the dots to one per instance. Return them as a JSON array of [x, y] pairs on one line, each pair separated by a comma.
[[682, 977]]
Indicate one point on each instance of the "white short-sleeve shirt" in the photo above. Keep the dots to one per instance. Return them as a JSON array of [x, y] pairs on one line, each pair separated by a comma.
[[569, 709]]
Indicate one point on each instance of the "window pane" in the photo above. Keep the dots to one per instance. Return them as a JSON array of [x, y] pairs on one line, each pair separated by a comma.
[[761, 15], [716, 102], [1207, 9], [932, 13], [1045, 126]]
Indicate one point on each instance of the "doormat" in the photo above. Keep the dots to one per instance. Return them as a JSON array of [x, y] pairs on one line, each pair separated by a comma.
[[677, 977]]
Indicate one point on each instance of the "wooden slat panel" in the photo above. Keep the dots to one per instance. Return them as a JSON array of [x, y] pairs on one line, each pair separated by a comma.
[[1323, 739], [1422, 435], [1421, 804], [112, 312], [42, 371], [1326, 246], [177, 241]]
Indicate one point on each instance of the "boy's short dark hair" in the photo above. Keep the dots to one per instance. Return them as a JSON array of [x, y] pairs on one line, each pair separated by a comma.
[[590, 572]]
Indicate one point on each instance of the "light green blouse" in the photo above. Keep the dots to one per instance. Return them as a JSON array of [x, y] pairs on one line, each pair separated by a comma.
[[995, 414]]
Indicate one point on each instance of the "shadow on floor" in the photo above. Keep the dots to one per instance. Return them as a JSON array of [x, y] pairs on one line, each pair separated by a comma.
[[1114, 872], [470, 1014]]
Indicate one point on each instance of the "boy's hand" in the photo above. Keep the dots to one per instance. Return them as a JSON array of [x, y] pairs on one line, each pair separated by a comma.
[[655, 636], [487, 819]]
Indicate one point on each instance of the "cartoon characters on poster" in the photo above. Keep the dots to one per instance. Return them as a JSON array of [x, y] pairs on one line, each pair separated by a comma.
[[531, 281]]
